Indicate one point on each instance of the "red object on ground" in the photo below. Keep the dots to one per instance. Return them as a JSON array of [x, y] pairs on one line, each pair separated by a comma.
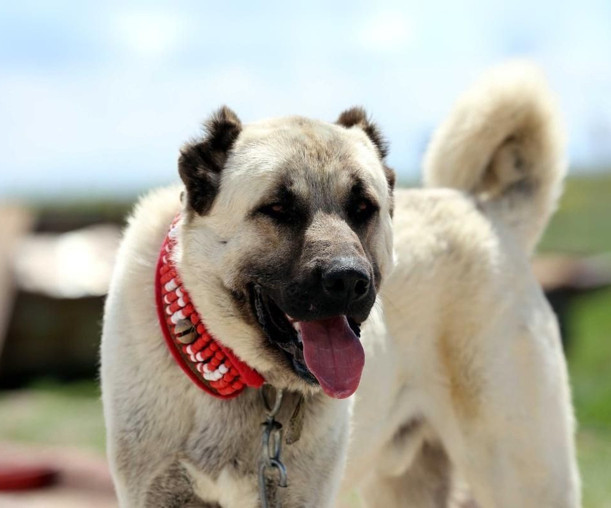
[[26, 477]]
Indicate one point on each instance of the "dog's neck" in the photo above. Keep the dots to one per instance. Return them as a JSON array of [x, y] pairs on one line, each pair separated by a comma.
[[207, 362]]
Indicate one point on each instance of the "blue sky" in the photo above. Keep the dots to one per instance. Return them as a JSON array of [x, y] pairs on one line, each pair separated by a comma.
[[96, 97]]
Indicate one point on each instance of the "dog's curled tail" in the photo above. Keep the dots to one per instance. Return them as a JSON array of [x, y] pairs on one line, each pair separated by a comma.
[[503, 144]]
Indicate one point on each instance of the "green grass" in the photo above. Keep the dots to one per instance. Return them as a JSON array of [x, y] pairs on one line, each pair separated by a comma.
[[594, 452], [590, 370], [582, 224], [590, 360], [54, 414]]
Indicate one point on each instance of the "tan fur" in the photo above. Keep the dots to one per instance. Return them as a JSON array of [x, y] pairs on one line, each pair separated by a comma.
[[464, 378], [465, 391]]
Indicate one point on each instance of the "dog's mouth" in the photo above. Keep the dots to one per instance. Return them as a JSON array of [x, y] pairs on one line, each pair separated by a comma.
[[325, 351]]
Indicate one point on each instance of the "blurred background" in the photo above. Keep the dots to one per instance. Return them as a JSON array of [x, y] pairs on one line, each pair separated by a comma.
[[97, 97]]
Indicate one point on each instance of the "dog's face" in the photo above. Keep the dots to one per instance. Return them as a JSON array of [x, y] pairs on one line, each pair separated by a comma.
[[287, 234]]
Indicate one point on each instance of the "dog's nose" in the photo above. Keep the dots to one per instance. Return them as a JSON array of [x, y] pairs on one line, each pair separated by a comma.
[[345, 282]]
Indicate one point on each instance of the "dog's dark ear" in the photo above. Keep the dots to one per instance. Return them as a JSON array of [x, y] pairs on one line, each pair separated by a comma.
[[357, 117], [201, 161]]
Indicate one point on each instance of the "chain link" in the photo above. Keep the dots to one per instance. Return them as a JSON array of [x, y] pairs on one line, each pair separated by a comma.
[[271, 449]]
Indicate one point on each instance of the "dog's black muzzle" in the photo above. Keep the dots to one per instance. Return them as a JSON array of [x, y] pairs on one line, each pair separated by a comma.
[[342, 287]]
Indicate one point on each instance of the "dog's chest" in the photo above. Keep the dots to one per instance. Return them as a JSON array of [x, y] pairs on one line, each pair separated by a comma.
[[221, 455], [229, 444]]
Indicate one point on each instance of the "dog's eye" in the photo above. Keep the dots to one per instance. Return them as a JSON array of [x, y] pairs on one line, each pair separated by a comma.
[[362, 210], [277, 211]]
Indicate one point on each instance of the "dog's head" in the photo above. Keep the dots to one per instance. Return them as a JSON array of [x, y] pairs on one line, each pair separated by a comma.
[[285, 241]]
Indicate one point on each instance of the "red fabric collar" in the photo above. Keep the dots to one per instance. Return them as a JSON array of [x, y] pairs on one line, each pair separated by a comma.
[[209, 364]]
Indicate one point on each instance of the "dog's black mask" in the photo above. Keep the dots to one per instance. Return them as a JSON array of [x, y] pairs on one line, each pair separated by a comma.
[[343, 287]]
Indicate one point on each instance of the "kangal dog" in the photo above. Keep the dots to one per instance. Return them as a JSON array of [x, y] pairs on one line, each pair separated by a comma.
[[281, 234]]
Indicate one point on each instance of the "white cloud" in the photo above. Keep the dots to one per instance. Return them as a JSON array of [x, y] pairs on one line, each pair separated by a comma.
[[388, 31], [149, 34]]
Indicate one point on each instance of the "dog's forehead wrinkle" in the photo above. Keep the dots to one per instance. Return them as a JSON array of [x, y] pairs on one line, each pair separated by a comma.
[[302, 138]]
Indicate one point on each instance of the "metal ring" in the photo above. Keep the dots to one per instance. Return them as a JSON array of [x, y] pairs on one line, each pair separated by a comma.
[[271, 409], [274, 442], [282, 476]]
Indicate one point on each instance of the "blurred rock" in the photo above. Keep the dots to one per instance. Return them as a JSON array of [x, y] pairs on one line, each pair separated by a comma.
[[69, 265]]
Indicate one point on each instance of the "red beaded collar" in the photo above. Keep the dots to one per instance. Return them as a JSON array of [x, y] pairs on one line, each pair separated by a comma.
[[209, 364]]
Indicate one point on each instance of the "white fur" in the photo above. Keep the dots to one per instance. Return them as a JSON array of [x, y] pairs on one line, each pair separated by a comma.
[[462, 350]]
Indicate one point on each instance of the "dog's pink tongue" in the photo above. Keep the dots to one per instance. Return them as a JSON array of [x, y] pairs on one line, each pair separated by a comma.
[[334, 354]]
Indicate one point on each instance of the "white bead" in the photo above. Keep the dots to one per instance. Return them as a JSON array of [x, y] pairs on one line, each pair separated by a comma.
[[177, 316]]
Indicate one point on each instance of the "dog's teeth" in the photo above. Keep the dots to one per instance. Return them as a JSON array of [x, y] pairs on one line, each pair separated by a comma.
[[296, 326]]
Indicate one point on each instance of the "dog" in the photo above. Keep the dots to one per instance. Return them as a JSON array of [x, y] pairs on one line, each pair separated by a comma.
[[413, 347]]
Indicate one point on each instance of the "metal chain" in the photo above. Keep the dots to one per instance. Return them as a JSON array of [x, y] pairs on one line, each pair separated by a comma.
[[271, 448]]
